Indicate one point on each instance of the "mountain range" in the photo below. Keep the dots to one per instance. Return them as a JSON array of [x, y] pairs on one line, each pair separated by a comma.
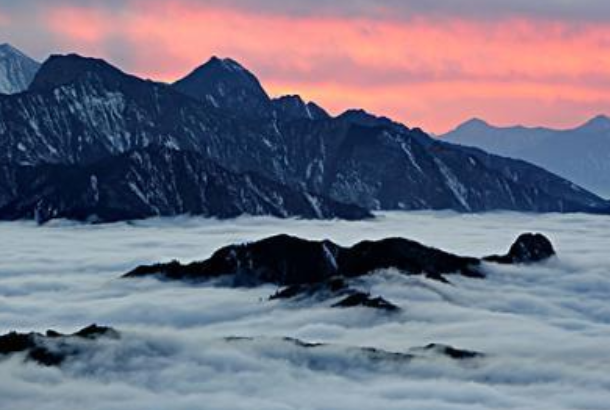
[[581, 154], [88, 141]]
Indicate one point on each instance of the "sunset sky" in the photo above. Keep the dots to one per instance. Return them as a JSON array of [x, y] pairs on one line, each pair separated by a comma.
[[428, 63]]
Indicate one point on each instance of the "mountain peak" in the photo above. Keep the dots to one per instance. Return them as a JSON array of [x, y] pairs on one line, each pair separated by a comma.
[[226, 84], [63, 69], [226, 64], [17, 70], [598, 122], [9, 48], [294, 107], [474, 123], [363, 117]]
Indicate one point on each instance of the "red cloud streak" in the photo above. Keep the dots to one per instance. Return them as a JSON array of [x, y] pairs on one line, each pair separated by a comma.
[[428, 72]]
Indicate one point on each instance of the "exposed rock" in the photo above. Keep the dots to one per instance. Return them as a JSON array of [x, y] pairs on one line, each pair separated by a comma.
[[292, 107], [157, 181], [366, 300], [308, 267], [322, 269], [53, 348], [226, 85], [529, 248], [286, 261], [80, 111], [449, 351], [325, 289]]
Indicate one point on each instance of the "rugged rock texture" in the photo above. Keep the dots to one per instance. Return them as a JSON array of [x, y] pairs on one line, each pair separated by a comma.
[[53, 348], [285, 261], [157, 182], [529, 248], [292, 107], [337, 287], [81, 111], [225, 84], [321, 268], [16, 70]]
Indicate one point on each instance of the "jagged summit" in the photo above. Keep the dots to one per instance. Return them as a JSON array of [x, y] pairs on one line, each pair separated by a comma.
[[226, 84], [58, 70], [226, 64], [367, 119], [291, 107]]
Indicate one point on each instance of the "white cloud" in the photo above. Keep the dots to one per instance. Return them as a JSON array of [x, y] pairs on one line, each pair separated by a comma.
[[546, 329]]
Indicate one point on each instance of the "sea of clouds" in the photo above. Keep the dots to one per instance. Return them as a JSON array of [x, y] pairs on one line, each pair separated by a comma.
[[545, 329]]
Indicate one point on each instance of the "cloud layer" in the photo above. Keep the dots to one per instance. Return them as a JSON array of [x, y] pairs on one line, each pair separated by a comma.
[[428, 63], [545, 329]]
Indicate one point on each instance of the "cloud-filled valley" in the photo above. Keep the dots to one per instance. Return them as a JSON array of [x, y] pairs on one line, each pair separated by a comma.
[[544, 329]]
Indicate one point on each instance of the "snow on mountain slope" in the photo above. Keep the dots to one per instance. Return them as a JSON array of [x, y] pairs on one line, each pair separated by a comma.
[[80, 110]]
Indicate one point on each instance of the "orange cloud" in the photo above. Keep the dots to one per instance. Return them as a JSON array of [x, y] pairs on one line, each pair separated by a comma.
[[428, 71], [83, 24]]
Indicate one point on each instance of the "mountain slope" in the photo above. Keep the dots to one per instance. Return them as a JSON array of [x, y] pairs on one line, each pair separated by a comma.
[[16, 70], [581, 154], [156, 182], [80, 111]]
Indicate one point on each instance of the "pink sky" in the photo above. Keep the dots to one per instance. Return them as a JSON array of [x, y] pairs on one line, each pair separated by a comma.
[[432, 70]]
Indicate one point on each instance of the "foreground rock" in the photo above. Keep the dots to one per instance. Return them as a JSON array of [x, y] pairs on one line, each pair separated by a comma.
[[529, 248], [287, 261], [52, 348], [320, 270], [313, 266]]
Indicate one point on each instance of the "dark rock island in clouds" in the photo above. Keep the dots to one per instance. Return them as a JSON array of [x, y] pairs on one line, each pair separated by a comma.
[[284, 157], [321, 270]]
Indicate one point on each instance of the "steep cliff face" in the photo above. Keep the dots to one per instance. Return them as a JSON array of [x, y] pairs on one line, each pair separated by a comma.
[[80, 112]]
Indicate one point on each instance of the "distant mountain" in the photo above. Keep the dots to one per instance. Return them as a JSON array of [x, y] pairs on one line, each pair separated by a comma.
[[16, 70], [581, 154], [81, 112]]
